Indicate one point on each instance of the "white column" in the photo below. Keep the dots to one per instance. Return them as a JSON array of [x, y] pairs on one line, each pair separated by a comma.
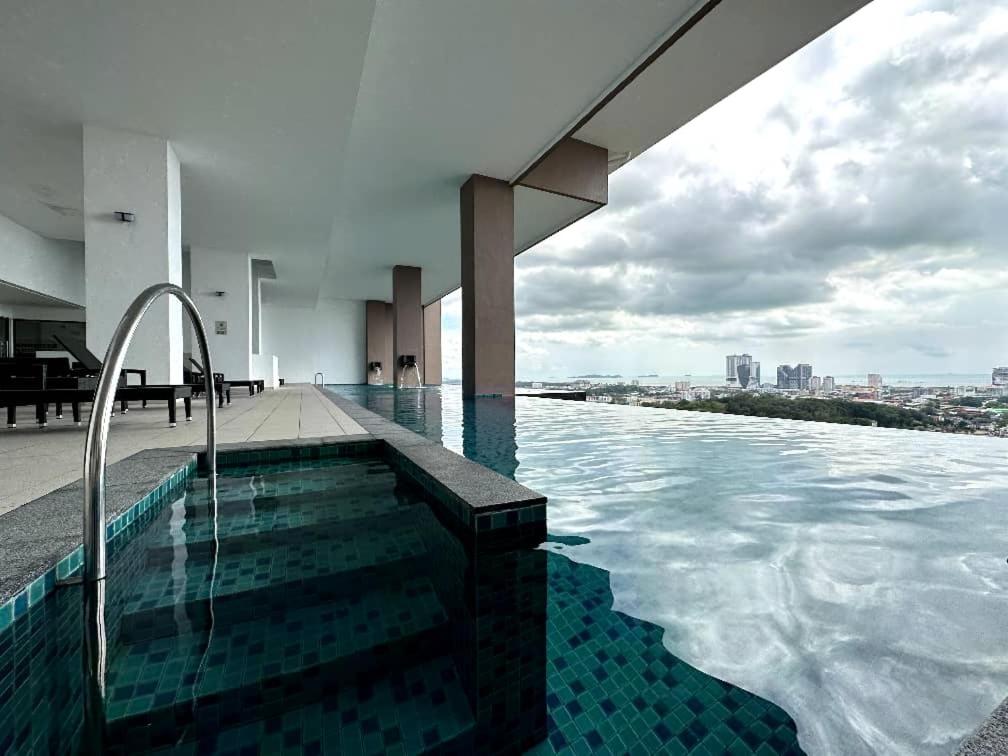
[[221, 285], [138, 174]]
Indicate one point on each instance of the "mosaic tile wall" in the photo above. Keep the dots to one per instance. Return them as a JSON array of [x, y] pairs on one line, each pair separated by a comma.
[[497, 604], [40, 650]]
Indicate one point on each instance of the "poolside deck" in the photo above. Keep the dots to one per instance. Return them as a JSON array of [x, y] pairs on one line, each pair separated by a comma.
[[34, 462]]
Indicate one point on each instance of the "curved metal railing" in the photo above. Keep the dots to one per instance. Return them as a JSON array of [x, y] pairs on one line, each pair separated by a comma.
[[316, 383], [96, 447]]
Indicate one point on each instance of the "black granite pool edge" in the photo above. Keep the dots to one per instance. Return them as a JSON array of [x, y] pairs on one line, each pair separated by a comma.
[[482, 498], [991, 738], [40, 541]]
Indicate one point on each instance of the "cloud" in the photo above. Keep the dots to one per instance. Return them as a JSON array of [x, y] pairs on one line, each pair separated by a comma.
[[834, 205]]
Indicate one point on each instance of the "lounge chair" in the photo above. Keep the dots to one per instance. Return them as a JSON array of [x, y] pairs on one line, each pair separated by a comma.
[[90, 366], [41, 398], [254, 385]]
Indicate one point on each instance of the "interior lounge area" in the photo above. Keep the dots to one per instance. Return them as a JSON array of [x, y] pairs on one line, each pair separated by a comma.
[[314, 198]]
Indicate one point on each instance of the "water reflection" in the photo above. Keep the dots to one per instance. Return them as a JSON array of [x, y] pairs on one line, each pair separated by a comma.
[[612, 686], [488, 432]]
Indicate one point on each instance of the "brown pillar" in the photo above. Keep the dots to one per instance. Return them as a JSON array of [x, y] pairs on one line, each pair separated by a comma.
[[488, 337], [432, 343], [379, 338], [407, 317]]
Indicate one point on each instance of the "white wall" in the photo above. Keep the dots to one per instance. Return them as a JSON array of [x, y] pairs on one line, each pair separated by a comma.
[[48, 266], [328, 338], [139, 174], [216, 270]]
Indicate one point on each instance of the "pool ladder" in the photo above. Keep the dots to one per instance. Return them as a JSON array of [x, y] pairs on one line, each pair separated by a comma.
[[95, 656], [316, 383]]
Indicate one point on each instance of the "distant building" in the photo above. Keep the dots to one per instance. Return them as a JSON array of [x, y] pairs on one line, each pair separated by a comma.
[[804, 372], [795, 378], [1000, 376], [828, 384], [739, 369], [784, 376], [754, 373], [815, 384], [874, 380], [731, 369], [682, 386]]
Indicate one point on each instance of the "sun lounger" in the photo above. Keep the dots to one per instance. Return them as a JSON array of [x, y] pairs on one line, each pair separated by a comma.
[[254, 385], [42, 398]]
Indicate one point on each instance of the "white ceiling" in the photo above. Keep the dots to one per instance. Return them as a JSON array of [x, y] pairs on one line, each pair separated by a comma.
[[732, 45], [11, 294], [332, 137], [257, 97]]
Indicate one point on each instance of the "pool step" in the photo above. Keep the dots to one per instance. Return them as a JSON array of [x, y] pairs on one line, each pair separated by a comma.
[[275, 575], [270, 663], [420, 708], [295, 482], [196, 502], [250, 530]]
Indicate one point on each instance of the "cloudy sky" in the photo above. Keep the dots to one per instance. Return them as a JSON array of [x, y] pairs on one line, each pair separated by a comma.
[[859, 197]]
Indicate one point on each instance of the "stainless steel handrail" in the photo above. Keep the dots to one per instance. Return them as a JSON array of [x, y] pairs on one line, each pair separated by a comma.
[[314, 383], [96, 446]]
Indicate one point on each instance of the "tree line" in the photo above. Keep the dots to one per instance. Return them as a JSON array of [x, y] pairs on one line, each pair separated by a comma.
[[817, 410]]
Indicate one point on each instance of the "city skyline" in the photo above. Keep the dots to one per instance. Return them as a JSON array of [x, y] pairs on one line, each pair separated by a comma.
[[854, 223]]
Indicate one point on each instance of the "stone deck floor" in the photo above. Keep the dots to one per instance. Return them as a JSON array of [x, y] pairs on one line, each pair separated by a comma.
[[34, 462]]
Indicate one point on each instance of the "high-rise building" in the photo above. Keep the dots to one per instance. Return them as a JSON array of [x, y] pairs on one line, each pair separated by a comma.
[[783, 376], [795, 378], [815, 384], [875, 380], [731, 369], [754, 373], [804, 375], [828, 384], [999, 377], [682, 386], [732, 364]]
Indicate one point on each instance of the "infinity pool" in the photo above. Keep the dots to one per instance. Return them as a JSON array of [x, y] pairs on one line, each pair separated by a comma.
[[854, 576]]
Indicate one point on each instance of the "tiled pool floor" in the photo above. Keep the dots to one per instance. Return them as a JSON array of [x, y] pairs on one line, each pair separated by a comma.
[[612, 687]]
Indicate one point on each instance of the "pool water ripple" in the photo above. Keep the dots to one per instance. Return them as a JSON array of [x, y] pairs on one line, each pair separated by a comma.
[[854, 576]]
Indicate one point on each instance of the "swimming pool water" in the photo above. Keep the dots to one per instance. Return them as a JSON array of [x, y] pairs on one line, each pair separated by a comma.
[[321, 606], [854, 576]]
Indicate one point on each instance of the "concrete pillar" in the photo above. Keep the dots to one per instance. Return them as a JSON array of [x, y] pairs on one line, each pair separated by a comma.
[[378, 324], [407, 317], [488, 337], [138, 174], [432, 343]]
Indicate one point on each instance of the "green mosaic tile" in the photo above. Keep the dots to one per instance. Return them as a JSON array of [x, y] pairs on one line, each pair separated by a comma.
[[182, 667], [613, 687], [278, 565], [412, 711]]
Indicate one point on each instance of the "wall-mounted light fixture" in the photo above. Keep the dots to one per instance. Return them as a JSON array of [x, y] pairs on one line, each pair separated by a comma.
[[123, 217]]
